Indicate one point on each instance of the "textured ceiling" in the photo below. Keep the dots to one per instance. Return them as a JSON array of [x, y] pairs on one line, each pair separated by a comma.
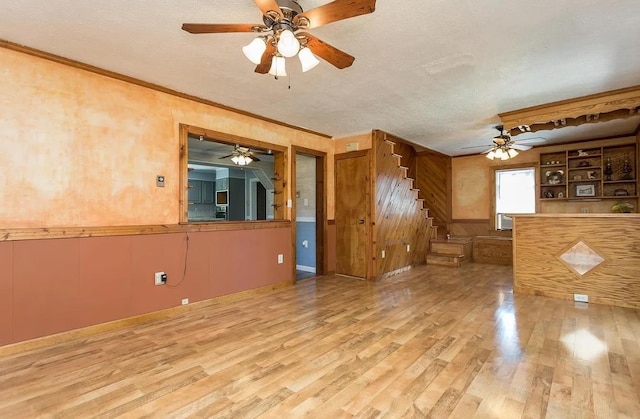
[[435, 73]]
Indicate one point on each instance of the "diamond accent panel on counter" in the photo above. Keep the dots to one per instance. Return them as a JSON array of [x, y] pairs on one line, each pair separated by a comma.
[[580, 258]]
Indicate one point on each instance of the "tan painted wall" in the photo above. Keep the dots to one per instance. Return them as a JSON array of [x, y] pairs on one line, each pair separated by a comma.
[[364, 142], [472, 182], [82, 149]]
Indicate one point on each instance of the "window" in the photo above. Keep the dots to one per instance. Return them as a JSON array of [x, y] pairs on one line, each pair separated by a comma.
[[515, 194], [217, 188]]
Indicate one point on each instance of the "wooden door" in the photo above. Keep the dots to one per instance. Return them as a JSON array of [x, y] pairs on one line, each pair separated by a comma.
[[352, 214]]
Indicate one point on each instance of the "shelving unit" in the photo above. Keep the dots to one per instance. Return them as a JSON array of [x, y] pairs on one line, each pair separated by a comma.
[[593, 174]]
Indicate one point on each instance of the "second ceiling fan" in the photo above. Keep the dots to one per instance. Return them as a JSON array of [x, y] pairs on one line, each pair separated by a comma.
[[283, 33]]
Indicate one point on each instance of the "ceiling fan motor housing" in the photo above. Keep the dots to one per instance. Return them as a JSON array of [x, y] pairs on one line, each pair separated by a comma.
[[289, 9]]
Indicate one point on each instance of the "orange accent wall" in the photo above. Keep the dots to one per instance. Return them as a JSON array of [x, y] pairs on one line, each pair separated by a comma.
[[364, 142], [51, 286], [83, 149]]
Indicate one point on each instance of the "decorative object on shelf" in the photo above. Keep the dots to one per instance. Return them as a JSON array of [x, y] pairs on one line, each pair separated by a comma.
[[591, 174], [622, 207], [555, 177], [626, 168], [620, 192], [585, 190], [548, 194], [582, 153], [577, 177], [560, 194], [584, 163], [608, 170]]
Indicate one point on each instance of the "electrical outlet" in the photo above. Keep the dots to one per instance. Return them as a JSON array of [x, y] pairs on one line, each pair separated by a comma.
[[581, 298], [160, 278], [160, 181], [408, 248], [185, 301], [383, 254], [280, 258]]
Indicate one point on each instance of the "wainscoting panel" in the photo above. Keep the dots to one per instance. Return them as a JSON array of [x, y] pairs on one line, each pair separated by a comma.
[[54, 285]]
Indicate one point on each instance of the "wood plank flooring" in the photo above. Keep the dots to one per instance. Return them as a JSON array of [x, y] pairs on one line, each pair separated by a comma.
[[431, 342]]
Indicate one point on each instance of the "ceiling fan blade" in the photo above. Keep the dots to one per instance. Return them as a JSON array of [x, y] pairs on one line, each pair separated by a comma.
[[487, 150], [521, 147], [267, 6], [219, 27], [532, 140], [226, 157], [475, 146], [327, 52], [267, 58], [253, 157], [334, 11]]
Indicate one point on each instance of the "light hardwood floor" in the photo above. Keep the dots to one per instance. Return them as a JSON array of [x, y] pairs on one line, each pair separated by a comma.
[[431, 342]]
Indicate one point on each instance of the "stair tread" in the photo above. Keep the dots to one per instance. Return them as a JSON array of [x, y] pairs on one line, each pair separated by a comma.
[[449, 255]]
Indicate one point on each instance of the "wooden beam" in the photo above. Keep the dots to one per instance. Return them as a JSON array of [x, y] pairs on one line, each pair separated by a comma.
[[614, 104]]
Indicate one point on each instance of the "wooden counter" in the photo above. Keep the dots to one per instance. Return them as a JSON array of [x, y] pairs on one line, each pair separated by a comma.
[[553, 256]]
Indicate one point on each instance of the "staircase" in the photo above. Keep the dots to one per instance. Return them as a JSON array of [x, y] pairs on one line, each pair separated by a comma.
[[433, 230], [449, 252], [403, 226]]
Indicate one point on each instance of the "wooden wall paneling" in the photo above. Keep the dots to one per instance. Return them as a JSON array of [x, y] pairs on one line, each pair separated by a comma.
[[401, 220], [539, 239], [433, 179], [406, 151], [6, 293], [492, 249], [470, 228]]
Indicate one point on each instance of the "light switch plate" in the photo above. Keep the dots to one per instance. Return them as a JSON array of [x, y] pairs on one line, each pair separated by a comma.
[[160, 181]]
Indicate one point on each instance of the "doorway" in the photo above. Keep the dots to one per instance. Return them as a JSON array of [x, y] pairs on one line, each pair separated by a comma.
[[308, 212]]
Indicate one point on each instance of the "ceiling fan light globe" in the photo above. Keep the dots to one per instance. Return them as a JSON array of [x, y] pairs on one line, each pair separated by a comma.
[[498, 154], [491, 155], [253, 51], [307, 59], [512, 152], [288, 44], [278, 67]]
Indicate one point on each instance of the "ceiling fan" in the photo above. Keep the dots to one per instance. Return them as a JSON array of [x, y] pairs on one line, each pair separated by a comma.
[[242, 156], [504, 147], [283, 33]]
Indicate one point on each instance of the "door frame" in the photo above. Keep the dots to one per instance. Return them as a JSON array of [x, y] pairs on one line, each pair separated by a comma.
[[321, 207]]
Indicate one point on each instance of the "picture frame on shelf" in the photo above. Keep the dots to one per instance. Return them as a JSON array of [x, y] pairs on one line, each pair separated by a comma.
[[585, 190]]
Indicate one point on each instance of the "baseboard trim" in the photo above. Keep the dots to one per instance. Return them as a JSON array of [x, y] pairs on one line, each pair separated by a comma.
[[311, 269], [88, 331]]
